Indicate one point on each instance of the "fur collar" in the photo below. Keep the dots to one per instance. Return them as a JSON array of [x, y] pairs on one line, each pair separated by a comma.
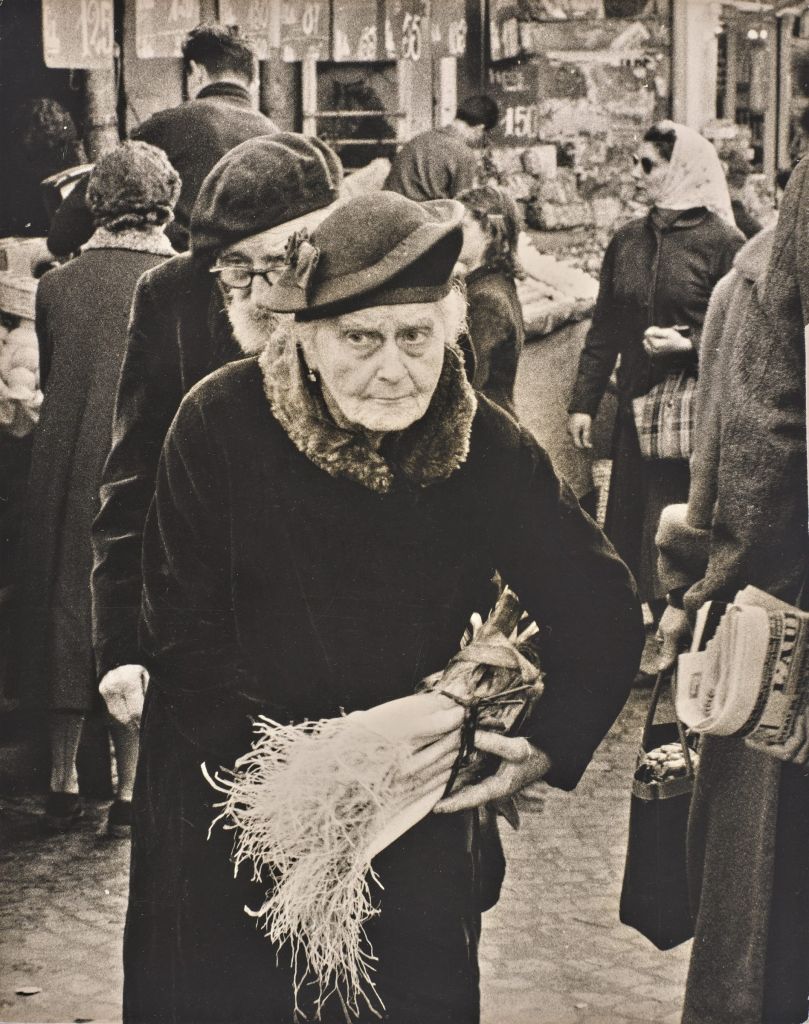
[[429, 450], [150, 239]]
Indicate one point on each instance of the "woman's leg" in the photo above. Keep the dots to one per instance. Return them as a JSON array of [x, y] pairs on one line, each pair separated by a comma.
[[125, 743], [65, 733]]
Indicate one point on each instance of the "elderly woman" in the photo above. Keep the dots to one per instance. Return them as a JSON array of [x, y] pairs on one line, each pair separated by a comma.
[[324, 525], [81, 318], [657, 276]]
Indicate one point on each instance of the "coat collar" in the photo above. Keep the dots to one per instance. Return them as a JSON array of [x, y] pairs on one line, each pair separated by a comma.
[[231, 91], [430, 450], [670, 220], [151, 239]]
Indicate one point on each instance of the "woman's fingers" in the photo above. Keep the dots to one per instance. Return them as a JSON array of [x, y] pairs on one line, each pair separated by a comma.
[[515, 749], [440, 753]]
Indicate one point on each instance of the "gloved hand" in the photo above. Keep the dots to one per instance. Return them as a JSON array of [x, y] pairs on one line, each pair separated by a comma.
[[123, 689]]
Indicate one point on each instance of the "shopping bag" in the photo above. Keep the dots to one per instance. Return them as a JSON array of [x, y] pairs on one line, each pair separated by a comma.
[[664, 418], [654, 897]]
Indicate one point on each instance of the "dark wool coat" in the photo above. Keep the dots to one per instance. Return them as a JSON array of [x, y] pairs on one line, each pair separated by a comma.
[[290, 570], [749, 826], [178, 333], [658, 270], [497, 332], [437, 164], [82, 313]]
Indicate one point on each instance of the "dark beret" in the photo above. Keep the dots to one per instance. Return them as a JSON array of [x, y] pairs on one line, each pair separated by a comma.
[[260, 184]]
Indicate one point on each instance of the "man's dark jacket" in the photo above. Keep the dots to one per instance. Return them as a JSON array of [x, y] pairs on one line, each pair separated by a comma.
[[178, 334], [194, 136]]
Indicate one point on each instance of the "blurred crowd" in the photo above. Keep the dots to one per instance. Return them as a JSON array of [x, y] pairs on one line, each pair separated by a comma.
[[162, 265]]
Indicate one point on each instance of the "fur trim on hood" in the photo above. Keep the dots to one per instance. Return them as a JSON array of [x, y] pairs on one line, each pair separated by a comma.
[[429, 450]]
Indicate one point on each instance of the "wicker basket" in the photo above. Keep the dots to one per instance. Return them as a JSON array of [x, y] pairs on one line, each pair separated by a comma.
[[18, 295]]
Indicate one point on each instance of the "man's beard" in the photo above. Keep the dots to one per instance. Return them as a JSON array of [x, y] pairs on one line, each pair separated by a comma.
[[253, 326]]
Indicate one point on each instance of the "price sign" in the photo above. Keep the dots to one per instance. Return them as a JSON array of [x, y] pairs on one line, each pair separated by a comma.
[[516, 92], [355, 30], [407, 29], [448, 28], [77, 33], [304, 29], [162, 25], [504, 29], [255, 21]]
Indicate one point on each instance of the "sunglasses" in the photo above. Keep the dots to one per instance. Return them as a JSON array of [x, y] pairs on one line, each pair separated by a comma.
[[240, 276], [647, 165]]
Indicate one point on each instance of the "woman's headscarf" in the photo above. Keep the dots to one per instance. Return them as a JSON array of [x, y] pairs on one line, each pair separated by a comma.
[[695, 176]]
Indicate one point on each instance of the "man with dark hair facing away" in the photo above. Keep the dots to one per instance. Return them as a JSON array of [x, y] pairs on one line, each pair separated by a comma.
[[441, 162], [220, 68]]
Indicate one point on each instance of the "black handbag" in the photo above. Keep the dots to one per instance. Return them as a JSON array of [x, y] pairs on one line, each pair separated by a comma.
[[654, 897]]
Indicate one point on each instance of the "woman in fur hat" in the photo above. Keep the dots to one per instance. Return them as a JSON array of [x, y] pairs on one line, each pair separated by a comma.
[[81, 318], [325, 523]]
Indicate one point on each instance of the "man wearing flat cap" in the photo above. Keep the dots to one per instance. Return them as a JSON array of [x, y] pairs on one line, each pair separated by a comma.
[[193, 314], [327, 517]]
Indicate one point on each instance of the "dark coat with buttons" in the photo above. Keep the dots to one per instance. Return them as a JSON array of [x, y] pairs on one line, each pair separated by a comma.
[[658, 270], [299, 585]]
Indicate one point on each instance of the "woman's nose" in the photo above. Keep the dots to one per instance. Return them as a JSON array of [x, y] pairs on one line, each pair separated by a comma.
[[391, 366]]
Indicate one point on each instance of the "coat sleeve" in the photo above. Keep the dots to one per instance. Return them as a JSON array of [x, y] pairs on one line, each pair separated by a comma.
[[44, 340], [758, 533], [583, 598], [601, 346], [149, 394], [187, 634]]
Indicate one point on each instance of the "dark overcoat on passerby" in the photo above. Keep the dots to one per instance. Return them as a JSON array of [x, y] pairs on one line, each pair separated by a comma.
[[290, 570], [746, 523], [658, 270], [497, 332], [82, 310], [179, 332]]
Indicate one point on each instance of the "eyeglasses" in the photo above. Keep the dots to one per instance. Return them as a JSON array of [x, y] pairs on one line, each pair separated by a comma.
[[239, 276], [647, 165]]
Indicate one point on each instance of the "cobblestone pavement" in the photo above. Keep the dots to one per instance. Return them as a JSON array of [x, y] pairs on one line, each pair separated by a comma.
[[553, 951]]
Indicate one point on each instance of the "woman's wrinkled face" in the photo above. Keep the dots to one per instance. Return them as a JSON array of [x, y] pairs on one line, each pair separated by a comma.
[[650, 170], [379, 367]]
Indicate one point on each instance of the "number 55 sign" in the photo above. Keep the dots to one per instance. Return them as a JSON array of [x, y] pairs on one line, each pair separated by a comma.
[[77, 33]]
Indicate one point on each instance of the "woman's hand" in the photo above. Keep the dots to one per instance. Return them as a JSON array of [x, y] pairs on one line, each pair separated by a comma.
[[580, 426], [123, 689], [663, 341], [674, 631], [521, 764]]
